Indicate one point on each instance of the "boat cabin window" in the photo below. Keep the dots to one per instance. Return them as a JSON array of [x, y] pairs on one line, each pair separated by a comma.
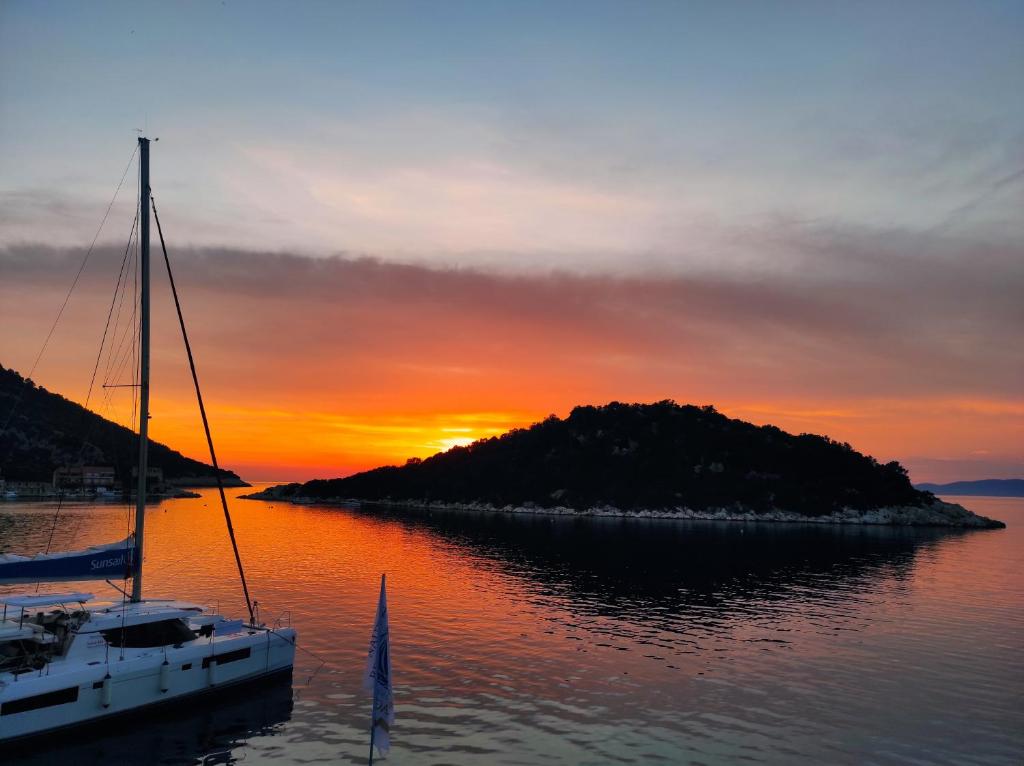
[[150, 634], [49, 699], [55, 621], [21, 656]]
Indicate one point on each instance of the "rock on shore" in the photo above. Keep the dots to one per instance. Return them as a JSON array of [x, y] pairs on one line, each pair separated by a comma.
[[936, 514]]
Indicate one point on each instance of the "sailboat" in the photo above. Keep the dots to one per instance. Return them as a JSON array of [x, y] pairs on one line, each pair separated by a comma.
[[67, 659]]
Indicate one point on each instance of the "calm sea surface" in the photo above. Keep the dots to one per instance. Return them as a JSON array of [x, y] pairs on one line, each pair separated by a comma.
[[545, 640]]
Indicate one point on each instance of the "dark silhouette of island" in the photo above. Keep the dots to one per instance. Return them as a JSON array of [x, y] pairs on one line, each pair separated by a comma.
[[981, 487], [46, 431], [662, 457]]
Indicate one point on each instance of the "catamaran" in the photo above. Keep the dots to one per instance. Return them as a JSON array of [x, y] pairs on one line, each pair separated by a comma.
[[68, 659]]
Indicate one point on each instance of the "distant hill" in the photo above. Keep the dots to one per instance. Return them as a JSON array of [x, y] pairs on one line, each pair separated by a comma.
[[640, 456], [989, 487], [48, 431]]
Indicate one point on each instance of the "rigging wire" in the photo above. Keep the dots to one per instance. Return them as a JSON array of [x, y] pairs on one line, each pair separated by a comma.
[[67, 297], [202, 411], [123, 288], [110, 313], [136, 354], [136, 323], [117, 366], [90, 423], [99, 355]]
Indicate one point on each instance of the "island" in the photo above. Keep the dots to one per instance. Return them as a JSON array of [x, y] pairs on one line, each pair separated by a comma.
[[661, 460]]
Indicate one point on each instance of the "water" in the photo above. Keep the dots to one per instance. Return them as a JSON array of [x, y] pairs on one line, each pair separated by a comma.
[[522, 640]]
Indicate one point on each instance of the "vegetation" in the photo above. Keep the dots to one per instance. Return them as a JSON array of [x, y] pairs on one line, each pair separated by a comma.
[[47, 431], [634, 456]]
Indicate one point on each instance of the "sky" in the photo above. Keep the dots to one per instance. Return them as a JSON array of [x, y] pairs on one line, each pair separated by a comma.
[[400, 227]]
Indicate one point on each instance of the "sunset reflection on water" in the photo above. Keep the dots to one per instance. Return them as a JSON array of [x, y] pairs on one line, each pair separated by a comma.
[[543, 639]]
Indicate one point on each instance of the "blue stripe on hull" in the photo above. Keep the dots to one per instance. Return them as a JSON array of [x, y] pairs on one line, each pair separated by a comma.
[[107, 564]]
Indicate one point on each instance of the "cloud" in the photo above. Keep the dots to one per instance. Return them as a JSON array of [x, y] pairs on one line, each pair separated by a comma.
[[518, 187], [864, 322], [36, 207], [986, 195], [943, 470]]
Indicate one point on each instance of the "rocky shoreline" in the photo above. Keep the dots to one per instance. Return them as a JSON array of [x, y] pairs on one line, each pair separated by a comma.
[[937, 514]]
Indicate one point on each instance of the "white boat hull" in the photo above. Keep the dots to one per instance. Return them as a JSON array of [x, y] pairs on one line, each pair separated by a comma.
[[55, 698]]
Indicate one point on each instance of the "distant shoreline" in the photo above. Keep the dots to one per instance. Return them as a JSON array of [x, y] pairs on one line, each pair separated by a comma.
[[176, 489], [939, 514], [977, 488], [192, 482], [108, 497]]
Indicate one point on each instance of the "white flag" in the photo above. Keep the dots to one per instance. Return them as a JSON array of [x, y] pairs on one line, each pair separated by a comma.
[[378, 677]]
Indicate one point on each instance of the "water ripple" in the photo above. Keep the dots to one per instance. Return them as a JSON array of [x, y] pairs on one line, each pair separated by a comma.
[[538, 640]]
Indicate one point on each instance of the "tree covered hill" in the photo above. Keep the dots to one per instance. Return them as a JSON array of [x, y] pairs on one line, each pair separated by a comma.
[[47, 431], [640, 456]]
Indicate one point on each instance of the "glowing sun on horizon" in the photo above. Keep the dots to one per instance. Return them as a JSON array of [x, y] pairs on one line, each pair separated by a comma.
[[454, 441]]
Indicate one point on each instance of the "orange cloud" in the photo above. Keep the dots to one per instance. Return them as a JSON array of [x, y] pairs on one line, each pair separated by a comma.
[[315, 367]]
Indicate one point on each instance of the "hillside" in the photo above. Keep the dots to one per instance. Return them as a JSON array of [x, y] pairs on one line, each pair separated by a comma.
[[48, 431], [641, 457], [981, 487]]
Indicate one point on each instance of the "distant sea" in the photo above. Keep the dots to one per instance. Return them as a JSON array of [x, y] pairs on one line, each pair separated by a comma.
[[532, 640]]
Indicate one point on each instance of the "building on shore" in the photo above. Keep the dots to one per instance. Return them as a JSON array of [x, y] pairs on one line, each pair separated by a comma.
[[154, 480], [153, 475], [22, 489], [84, 477]]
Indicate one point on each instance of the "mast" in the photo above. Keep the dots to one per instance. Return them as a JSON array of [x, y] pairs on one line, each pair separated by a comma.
[[140, 498]]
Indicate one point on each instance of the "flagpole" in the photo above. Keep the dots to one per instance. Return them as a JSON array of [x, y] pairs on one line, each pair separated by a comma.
[[372, 727]]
